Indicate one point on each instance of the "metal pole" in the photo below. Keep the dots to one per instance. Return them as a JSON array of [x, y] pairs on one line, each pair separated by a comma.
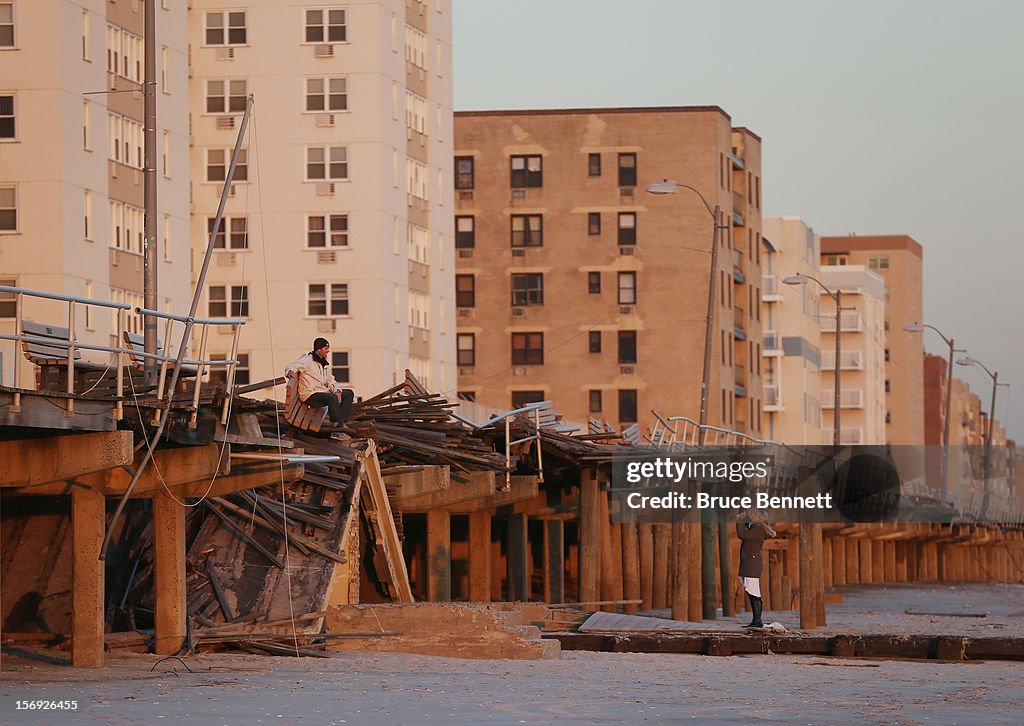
[[987, 461], [838, 296], [709, 329], [945, 432], [150, 261]]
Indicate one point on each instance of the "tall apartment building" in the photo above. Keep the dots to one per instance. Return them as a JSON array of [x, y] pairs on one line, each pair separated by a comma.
[[574, 285], [71, 158], [898, 260], [861, 368], [339, 222], [792, 334]]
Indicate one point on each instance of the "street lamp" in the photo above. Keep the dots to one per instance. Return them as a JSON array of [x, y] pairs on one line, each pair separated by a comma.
[[670, 186], [837, 295], [986, 457], [707, 532], [919, 328]]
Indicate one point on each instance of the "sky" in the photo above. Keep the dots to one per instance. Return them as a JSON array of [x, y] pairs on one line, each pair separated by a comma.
[[878, 117]]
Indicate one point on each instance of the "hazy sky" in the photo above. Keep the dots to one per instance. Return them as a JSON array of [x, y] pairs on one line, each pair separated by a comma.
[[878, 117]]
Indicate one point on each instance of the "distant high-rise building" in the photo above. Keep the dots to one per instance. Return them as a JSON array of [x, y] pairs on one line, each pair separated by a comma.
[[575, 285], [898, 259]]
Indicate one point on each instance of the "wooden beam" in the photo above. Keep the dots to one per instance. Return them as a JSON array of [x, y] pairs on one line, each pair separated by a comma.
[[169, 556], [439, 556], [518, 552], [695, 609], [678, 577], [590, 537], [630, 565], [608, 590], [646, 546], [88, 516], [32, 462], [661, 586], [554, 561], [377, 506], [425, 482], [480, 556]]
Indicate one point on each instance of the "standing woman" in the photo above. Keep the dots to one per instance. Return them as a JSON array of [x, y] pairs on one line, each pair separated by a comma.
[[753, 529]]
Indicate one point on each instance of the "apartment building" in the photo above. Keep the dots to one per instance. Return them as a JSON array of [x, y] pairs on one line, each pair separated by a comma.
[[792, 355], [898, 259], [861, 365], [575, 285], [71, 160], [339, 222]]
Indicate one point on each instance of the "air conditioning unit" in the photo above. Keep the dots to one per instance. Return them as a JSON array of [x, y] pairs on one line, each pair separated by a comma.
[[466, 371], [465, 254], [325, 189], [137, 177], [225, 122], [138, 263], [231, 190], [626, 310], [115, 257], [225, 54], [225, 329], [518, 194], [326, 258], [625, 191], [466, 196], [627, 250], [465, 312], [325, 120], [227, 259], [325, 326], [518, 312], [324, 50], [627, 370], [113, 169], [519, 370], [412, 332], [519, 253]]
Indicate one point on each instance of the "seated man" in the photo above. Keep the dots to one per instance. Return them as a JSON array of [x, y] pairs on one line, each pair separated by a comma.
[[317, 387]]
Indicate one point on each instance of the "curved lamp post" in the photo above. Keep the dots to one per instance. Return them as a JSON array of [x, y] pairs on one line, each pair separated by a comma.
[[986, 457]]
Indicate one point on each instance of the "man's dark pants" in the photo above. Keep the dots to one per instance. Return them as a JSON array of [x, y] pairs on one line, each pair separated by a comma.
[[339, 412]]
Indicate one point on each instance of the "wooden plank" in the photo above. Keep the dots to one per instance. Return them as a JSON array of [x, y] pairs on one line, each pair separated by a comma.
[[377, 498], [646, 546], [661, 586], [439, 556], [517, 548], [480, 556], [590, 537], [630, 564], [554, 557]]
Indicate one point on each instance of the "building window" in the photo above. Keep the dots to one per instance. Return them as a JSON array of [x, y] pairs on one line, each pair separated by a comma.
[[464, 177], [467, 396], [525, 398], [325, 26], [341, 367], [466, 349], [528, 289], [465, 232], [6, 25], [594, 283], [835, 259], [526, 172], [217, 161], [8, 209], [627, 288], [8, 304], [219, 376], [232, 235], [627, 406], [593, 164], [888, 417], [226, 96], [7, 130], [627, 228], [327, 163], [527, 349], [527, 230], [225, 28], [328, 300], [465, 291], [593, 223], [888, 386], [326, 230], [886, 355], [326, 94], [595, 401], [594, 341], [627, 346], [223, 306], [627, 170]]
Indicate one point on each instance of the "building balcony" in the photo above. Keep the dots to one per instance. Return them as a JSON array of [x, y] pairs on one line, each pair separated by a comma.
[[851, 322], [847, 436], [772, 397], [737, 161], [771, 288], [740, 323], [738, 274], [772, 345], [848, 398], [852, 360]]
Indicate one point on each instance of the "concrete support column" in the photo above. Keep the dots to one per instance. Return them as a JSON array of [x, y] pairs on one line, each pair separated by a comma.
[[169, 548], [554, 561], [439, 556], [88, 518], [480, 556]]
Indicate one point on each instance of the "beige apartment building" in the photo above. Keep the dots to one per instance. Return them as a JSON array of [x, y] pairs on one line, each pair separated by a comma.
[[898, 259], [71, 159], [861, 367], [577, 286], [792, 355], [340, 220]]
